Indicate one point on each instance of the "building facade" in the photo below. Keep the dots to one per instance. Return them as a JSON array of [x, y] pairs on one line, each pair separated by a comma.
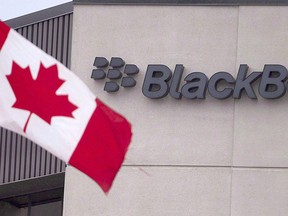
[[221, 154], [32, 179]]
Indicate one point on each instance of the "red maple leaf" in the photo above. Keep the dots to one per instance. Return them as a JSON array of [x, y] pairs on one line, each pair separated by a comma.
[[39, 96]]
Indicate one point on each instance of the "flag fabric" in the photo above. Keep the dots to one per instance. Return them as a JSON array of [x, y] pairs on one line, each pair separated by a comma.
[[45, 102]]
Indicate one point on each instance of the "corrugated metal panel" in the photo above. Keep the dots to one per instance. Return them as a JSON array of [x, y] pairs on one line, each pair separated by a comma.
[[19, 157]]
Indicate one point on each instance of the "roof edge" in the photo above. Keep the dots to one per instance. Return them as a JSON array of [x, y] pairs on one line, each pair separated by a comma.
[[41, 15], [185, 2]]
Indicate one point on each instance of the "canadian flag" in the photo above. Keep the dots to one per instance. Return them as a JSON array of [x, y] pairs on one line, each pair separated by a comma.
[[44, 101]]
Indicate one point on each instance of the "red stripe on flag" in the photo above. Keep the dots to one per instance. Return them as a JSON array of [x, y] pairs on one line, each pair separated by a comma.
[[103, 146], [4, 30]]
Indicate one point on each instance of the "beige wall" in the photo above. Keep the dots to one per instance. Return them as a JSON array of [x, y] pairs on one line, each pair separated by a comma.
[[187, 157]]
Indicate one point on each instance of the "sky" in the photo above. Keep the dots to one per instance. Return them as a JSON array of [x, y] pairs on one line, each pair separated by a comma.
[[14, 8]]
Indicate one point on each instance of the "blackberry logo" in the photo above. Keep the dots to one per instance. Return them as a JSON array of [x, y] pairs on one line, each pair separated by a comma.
[[114, 73], [159, 81]]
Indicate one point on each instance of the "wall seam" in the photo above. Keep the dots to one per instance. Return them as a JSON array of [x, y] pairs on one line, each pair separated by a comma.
[[234, 123]]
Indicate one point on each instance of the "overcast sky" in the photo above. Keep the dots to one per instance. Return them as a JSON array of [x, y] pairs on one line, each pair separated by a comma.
[[13, 8]]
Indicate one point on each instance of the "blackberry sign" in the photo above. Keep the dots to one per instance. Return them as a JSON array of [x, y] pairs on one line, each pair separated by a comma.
[[114, 73], [159, 81]]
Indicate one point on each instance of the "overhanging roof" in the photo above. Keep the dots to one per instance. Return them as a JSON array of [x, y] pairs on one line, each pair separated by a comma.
[[33, 191], [42, 15]]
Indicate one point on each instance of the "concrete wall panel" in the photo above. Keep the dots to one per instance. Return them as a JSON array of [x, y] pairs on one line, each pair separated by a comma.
[[259, 192], [260, 125], [149, 191], [200, 38], [187, 157]]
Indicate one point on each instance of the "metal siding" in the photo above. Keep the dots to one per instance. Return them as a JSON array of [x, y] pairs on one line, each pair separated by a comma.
[[19, 157]]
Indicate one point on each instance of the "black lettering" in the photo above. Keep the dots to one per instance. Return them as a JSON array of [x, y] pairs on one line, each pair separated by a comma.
[[245, 83], [175, 81], [213, 82], [196, 86], [272, 84], [155, 84]]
